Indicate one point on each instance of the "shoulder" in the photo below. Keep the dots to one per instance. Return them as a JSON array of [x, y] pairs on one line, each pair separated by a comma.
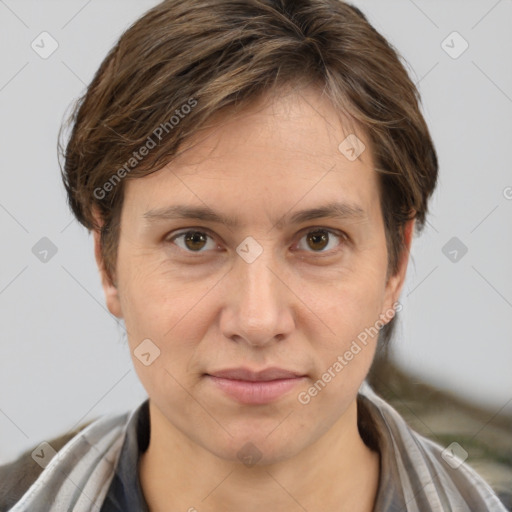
[[17, 476], [446, 419], [420, 469]]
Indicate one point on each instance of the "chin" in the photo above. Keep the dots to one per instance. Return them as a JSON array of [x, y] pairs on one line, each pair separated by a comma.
[[256, 448]]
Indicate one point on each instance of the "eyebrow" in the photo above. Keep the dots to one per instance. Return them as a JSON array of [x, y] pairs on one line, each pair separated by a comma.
[[335, 210]]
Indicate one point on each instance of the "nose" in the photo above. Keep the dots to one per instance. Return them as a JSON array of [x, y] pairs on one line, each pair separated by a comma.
[[258, 304]]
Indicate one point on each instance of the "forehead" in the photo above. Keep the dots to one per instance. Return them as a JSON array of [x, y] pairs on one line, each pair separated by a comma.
[[281, 151], [300, 122]]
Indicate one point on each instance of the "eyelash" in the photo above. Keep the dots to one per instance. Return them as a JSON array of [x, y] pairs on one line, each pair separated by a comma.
[[343, 237]]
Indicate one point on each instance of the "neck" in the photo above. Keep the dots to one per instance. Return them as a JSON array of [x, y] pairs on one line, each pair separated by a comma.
[[338, 472]]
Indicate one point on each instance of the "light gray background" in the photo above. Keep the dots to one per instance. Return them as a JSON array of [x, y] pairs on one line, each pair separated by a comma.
[[63, 358]]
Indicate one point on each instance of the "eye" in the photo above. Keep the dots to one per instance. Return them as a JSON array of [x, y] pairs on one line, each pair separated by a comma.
[[193, 241], [320, 240]]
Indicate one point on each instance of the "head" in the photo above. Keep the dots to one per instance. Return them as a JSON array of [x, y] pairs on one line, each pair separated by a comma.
[[246, 112]]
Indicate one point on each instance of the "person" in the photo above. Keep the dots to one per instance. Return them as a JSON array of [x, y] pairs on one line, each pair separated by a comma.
[[253, 173]]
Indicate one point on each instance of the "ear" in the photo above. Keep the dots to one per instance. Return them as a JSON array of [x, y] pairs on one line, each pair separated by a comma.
[[109, 287], [396, 281]]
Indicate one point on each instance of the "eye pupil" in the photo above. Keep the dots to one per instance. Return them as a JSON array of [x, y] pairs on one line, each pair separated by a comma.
[[195, 240], [319, 239]]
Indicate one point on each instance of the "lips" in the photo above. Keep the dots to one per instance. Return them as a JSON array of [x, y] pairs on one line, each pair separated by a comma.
[[263, 375], [255, 387]]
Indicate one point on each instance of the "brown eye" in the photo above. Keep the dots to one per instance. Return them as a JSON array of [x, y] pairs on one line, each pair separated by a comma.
[[320, 241], [193, 241]]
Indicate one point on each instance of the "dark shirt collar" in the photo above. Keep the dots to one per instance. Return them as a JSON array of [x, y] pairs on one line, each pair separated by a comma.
[[125, 492]]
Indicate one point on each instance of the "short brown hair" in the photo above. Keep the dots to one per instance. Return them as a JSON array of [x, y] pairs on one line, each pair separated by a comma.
[[211, 55]]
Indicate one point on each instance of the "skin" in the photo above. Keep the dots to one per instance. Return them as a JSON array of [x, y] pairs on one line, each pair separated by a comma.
[[298, 306]]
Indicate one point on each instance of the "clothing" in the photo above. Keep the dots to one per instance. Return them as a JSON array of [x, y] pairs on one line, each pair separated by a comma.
[[102, 462], [125, 492]]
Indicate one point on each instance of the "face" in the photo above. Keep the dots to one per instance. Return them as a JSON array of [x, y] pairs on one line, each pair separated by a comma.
[[261, 249]]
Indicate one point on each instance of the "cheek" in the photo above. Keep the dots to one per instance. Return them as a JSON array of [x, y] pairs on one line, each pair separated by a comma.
[[352, 305], [175, 315], [165, 313], [344, 358], [149, 295], [351, 310]]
